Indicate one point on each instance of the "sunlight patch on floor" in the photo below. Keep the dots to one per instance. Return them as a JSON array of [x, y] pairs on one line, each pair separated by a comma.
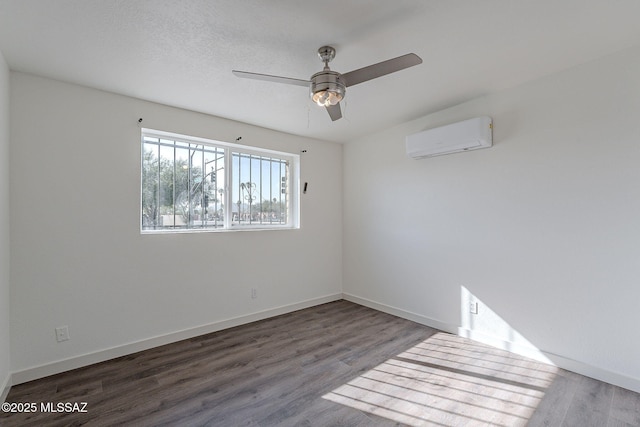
[[448, 380]]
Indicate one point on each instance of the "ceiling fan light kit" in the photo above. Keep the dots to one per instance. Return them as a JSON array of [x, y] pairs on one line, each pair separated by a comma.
[[325, 98], [328, 88]]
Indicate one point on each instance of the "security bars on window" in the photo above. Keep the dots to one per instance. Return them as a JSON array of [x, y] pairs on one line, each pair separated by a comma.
[[191, 185]]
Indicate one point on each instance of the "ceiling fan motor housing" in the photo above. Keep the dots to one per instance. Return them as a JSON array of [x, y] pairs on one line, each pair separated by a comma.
[[328, 80]]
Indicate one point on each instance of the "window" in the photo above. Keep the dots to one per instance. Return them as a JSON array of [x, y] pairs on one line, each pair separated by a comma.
[[196, 184]]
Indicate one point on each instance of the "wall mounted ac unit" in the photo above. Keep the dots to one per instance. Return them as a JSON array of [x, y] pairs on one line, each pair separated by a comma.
[[467, 135]]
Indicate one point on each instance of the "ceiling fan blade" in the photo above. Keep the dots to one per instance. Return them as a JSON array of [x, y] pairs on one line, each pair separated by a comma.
[[381, 69], [269, 78], [334, 112]]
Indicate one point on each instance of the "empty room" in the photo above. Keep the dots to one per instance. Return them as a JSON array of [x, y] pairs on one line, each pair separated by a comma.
[[296, 213]]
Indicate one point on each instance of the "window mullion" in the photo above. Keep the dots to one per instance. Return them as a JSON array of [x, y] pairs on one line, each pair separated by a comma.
[[270, 191], [287, 200], [203, 204], [249, 187], [188, 177], [280, 193], [173, 189], [260, 193], [228, 176], [156, 220]]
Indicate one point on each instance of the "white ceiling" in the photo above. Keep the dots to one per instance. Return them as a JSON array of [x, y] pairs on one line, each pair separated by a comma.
[[181, 52]]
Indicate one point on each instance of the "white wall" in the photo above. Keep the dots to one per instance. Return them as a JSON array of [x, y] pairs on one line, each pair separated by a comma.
[[78, 258], [543, 228], [4, 228]]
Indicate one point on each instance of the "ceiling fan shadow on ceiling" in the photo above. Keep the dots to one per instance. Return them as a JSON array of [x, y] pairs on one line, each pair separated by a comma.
[[327, 88]]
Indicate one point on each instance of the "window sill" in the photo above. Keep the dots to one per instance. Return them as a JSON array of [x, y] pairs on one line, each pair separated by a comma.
[[221, 230]]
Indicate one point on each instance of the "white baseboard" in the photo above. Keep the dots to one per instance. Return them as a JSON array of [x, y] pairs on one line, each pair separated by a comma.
[[418, 318], [566, 363], [562, 362], [123, 350], [5, 386], [523, 350], [591, 371]]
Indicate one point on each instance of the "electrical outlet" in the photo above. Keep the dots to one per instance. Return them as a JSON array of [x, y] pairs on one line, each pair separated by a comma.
[[254, 293], [473, 307], [62, 333]]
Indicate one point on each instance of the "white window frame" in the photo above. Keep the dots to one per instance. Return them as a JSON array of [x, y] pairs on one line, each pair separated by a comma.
[[293, 188]]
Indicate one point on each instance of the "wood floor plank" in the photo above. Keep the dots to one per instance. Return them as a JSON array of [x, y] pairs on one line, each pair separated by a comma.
[[552, 409], [591, 404], [625, 407], [336, 364]]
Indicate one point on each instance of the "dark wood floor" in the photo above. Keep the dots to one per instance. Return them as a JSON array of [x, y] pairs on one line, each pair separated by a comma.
[[337, 364]]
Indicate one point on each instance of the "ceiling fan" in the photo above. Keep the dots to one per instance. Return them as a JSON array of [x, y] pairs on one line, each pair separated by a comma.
[[327, 87]]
